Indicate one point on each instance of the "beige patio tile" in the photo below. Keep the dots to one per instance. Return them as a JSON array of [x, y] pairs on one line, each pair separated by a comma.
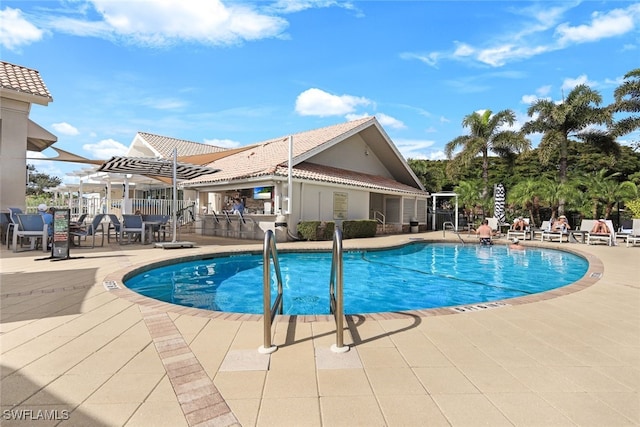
[[160, 414], [411, 411], [240, 384], [381, 357], [591, 380], [293, 411], [394, 381], [528, 409], [470, 410], [543, 379], [447, 379], [74, 389], [343, 382], [163, 392], [627, 404], [585, 409], [357, 411], [15, 388], [627, 375], [245, 410], [125, 388], [427, 355], [492, 379], [290, 383], [100, 415]]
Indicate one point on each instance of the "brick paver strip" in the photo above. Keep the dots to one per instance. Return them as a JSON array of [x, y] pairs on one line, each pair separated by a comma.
[[200, 401]]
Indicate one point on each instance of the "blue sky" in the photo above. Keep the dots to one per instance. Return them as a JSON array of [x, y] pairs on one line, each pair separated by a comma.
[[232, 73]]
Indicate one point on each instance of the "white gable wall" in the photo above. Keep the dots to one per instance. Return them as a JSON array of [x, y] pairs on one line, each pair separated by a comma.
[[352, 154], [140, 148]]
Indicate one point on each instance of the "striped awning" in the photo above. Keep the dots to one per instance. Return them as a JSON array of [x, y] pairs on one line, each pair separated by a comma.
[[154, 167]]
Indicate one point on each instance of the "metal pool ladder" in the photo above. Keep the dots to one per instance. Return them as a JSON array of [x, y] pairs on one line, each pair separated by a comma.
[[269, 250], [336, 292]]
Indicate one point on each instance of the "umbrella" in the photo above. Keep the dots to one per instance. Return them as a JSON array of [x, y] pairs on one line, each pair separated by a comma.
[[499, 200], [162, 168]]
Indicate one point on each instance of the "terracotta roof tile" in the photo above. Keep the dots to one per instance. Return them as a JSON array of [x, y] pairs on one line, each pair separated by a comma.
[[22, 79], [164, 145], [264, 157], [321, 173]]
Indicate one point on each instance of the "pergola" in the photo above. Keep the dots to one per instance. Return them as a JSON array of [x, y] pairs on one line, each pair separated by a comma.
[[434, 198]]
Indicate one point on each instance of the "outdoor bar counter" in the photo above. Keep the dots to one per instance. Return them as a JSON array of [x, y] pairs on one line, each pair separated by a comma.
[[247, 226]]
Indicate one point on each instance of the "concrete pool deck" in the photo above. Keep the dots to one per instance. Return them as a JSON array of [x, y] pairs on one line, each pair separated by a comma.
[[78, 351]]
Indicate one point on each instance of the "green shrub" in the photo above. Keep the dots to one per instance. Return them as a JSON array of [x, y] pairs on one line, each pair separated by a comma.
[[316, 230], [359, 228], [634, 207]]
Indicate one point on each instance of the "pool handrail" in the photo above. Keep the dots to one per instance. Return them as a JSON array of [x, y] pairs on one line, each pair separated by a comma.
[[269, 250], [336, 292]]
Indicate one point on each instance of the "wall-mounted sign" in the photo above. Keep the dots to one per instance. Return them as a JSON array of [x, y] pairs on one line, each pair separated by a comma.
[[340, 205]]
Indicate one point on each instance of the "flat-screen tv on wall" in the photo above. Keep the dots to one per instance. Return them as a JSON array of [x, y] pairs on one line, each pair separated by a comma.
[[262, 193]]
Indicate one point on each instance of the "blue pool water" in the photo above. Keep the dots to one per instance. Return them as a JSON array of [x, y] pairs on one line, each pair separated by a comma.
[[415, 276]]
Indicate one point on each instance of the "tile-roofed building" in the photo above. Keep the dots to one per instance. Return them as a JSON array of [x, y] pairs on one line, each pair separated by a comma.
[[20, 88], [151, 145], [353, 164], [24, 80]]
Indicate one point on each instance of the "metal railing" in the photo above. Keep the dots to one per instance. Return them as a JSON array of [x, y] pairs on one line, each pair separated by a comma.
[[453, 228], [269, 251], [379, 216], [336, 292]]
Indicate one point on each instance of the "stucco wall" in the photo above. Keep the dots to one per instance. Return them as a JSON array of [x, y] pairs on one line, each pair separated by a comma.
[[352, 154], [317, 203], [14, 116]]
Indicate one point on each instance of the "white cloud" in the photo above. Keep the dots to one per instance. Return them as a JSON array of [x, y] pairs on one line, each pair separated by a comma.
[[16, 31], [167, 22], [106, 149], [316, 102], [390, 122], [291, 6], [602, 25], [443, 119], [570, 83], [412, 148], [538, 34], [164, 103], [528, 99], [65, 129], [226, 143]]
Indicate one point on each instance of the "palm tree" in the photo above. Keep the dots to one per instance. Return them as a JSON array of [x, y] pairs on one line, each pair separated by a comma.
[[469, 196], [527, 194], [552, 192], [606, 190], [571, 118], [627, 100], [486, 135]]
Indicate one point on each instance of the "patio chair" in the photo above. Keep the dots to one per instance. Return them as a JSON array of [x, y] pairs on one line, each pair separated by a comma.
[[521, 234], [80, 221], [90, 230], [132, 225], [13, 222], [549, 234], [31, 226], [114, 224], [608, 238], [634, 236], [157, 225]]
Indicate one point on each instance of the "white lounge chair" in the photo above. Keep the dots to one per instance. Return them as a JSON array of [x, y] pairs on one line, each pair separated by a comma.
[[608, 238], [521, 234], [547, 233], [634, 236]]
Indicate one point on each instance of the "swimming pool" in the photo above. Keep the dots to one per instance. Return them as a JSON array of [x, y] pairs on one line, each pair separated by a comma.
[[415, 276]]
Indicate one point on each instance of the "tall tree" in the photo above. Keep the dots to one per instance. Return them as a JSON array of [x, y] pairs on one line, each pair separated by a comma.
[[627, 100], [527, 195], [573, 117], [486, 134], [469, 197], [606, 190]]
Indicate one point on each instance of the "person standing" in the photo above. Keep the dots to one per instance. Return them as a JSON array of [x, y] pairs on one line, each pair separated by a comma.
[[485, 233]]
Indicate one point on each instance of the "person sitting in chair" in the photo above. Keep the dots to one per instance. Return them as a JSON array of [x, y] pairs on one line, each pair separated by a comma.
[[519, 224], [561, 225], [238, 207], [600, 227], [485, 232]]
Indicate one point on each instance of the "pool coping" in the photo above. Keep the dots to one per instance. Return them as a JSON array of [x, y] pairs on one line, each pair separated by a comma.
[[114, 282]]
